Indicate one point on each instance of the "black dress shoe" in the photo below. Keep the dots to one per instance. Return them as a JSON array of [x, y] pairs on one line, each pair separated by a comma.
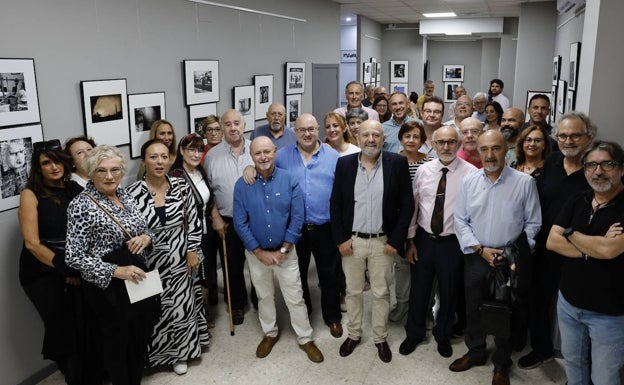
[[409, 345], [444, 347], [238, 317], [384, 352], [348, 346]]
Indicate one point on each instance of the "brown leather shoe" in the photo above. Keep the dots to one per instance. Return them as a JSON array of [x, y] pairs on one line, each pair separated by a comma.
[[384, 352], [501, 376], [464, 363], [347, 346], [265, 346], [335, 329], [314, 354]]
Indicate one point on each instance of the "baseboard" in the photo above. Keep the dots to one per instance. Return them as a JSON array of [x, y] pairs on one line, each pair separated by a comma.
[[40, 375]]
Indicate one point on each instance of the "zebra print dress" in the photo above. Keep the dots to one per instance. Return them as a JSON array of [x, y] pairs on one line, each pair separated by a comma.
[[182, 329]]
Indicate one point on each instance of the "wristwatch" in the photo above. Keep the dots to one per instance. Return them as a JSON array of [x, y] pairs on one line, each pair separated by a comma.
[[567, 232], [284, 250]]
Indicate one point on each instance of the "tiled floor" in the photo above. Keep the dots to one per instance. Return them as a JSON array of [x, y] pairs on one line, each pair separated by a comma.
[[231, 359]]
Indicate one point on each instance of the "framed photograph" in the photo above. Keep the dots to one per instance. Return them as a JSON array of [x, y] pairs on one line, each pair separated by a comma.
[[398, 71], [144, 110], [348, 56], [198, 113], [378, 73], [373, 73], [201, 81], [561, 96], [367, 71], [556, 69], [398, 87], [453, 73], [575, 57], [530, 94], [19, 101], [243, 101], [553, 107], [295, 78], [570, 100], [264, 95], [449, 90], [293, 109], [105, 111], [16, 150]]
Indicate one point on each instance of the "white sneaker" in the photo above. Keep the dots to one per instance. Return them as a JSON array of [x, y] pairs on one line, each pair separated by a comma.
[[180, 367]]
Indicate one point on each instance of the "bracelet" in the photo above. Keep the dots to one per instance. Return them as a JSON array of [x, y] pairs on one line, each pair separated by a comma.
[[479, 251]]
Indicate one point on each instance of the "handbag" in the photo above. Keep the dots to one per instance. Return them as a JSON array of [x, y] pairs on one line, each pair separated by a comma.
[[495, 318]]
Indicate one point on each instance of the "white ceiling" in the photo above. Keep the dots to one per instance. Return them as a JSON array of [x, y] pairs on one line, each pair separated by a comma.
[[410, 11]]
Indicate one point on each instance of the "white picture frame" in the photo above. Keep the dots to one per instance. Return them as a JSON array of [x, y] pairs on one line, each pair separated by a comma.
[[197, 115], [293, 109], [453, 73], [105, 111], [144, 109], [19, 100], [263, 88], [399, 71], [201, 81], [294, 78], [243, 100]]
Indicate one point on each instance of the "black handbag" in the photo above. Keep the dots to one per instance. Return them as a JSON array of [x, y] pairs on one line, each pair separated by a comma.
[[495, 318]]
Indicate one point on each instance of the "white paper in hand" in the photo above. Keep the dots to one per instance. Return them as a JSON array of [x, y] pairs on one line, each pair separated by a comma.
[[148, 287]]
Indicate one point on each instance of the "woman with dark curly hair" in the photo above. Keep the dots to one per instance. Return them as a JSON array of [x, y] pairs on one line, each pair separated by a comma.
[[532, 148]]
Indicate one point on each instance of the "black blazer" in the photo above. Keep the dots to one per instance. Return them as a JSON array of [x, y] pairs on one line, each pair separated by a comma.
[[398, 199]]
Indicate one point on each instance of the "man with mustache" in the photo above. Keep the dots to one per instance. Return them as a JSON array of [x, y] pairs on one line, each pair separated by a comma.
[[561, 177], [478, 103], [588, 233], [276, 130], [494, 206], [512, 121]]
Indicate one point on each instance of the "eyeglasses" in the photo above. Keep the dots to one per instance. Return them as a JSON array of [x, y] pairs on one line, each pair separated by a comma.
[[529, 140], [212, 130], [306, 130], [443, 143], [463, 104], [192, 150], [432, 112], [101, 172], [573, 137], [473, 132], [50, 145], [605, 165]]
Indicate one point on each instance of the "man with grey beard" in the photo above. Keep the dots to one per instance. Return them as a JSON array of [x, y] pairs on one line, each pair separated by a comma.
[[276, 130], [511, 123]]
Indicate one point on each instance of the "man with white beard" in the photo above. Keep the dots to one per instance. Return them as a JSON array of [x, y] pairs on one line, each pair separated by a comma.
[[512, 121], [276, 130]]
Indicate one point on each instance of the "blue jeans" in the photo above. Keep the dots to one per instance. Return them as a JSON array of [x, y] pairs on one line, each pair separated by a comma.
[[592, 345]]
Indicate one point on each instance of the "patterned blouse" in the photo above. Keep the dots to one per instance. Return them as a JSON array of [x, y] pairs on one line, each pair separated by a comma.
[[91, 233]]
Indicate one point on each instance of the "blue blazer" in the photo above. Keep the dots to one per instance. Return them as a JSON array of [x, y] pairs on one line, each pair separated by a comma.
[[398, 199]]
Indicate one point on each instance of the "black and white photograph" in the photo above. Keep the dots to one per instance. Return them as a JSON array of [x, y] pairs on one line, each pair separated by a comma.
[[530, 94], [244, 102], [19, 103], [201, 81], [556, 69], [378, 74], [449, 91], [575, 56], [398, 87], [16, 148], [144, 109], [293, 109], [570, 100], [553, 106], [197, 114], [399, 71], [105, 111], [453, 73], [366, 73], [263, 85], [561, 97], [294, 78]]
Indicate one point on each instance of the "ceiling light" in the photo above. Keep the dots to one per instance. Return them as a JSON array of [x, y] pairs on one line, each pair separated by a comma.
[[348, 19], [440, 14]]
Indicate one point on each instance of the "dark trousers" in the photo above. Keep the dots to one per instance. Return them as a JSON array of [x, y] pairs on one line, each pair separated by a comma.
[[236, 265], [444, 259], [543, 294], [475, 280], [317, 240], [210, 247]]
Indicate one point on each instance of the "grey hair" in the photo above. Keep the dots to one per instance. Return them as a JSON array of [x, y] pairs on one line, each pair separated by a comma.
[[479, 95], [356, 113], [590, 127], [100, 153], [352, 82]]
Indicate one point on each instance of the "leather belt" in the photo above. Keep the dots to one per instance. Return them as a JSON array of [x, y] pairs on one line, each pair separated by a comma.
[[366, 235], [438, 238]]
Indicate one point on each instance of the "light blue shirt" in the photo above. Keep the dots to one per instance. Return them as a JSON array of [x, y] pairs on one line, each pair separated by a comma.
[[288, 135], [391, 130], [493, 214], [316, 178]]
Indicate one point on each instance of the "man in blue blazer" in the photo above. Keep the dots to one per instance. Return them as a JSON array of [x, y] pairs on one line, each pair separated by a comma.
[[371, 208]]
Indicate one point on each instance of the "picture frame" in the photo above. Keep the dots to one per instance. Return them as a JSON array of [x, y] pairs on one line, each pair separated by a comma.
[[144, 109], [367, 73], [575, 52], [399, 71], [294, 78], [561, 96], [530, 94], [373, 79], [453, 73], [449, 91], [197, 114], [105, 111], [348, 56], [378, 74], [293, 109], [19, 99], [201, 81], [16, 152], [553, 104], [556, 69], [398, 87], [570, 100], [243, 100], [263, 88]]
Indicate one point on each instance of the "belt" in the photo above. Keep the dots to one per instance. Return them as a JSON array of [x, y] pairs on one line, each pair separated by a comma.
[[273, 249], [367, 236], [313, 226], [439, 238]]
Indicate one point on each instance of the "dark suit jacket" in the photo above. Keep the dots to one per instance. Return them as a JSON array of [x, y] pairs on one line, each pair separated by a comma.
[[398, 199]]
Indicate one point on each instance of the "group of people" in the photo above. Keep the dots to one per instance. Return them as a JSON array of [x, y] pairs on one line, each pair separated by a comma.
[[438, 210]]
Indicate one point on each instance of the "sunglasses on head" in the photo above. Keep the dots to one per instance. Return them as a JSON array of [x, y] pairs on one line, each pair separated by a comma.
[[46, 146]]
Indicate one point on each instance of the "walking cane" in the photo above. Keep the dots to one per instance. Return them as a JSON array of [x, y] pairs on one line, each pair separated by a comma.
[[227, 286]]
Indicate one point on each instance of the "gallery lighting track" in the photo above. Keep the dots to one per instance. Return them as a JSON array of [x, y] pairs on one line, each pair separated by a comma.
[[249, 10]]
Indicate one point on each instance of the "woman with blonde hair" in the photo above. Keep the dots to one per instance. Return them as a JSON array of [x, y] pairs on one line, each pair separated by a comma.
[[338, 136]]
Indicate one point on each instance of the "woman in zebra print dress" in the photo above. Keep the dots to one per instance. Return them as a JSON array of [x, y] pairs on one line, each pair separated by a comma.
[[182, 329]]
